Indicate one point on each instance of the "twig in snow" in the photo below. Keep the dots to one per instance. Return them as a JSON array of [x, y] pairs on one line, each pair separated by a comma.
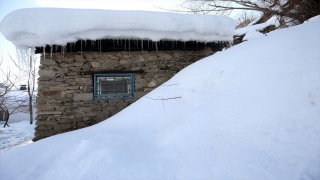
[[162, 99]]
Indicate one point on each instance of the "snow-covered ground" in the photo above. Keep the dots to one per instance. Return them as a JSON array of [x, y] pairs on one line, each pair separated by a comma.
[[18, 134], [20, 131], [249, 112]]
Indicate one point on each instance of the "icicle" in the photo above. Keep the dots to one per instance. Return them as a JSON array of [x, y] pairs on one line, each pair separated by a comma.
[[51, 51], [142, 45], [26, 61], [44, 52], [62, 49], [81, 46], [129, 45], [56, 48], [157, 47]]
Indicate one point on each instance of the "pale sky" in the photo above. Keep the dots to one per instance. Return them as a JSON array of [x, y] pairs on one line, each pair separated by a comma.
[[148, 5]]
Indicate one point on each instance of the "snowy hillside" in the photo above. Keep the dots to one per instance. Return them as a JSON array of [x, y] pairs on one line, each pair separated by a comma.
[[249, 112]]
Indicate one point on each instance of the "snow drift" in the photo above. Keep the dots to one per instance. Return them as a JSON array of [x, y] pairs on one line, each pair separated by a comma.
[[37, 27], [249, 112]]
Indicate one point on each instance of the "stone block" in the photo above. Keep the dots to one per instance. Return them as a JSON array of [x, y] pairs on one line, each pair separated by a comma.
[[77, 64], [61, 127], [82, 96], [152, 58], [135, 69], [124, 62], [64, 121], [58, 88], [48, 112], [45, 107], [108, 63], [83, 81], [47, 62], [95, 64], [137, 58], [79, 58], [113, 57], [46, 73], [153, 83], [46, 123], [41, 100], [164, 56]]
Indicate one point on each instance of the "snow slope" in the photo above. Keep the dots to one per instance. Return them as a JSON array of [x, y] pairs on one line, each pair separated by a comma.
[[249, 112], [37, 27]]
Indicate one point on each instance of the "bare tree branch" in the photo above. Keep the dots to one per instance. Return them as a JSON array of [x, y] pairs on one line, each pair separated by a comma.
[[297, 11]]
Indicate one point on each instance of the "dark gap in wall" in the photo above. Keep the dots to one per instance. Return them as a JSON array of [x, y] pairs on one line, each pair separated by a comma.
[[109, 45]]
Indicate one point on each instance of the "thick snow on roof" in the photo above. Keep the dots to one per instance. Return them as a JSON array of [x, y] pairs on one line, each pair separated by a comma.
[[36, 27]]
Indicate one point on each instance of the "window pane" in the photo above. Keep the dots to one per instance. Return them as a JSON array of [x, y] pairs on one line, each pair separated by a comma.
[[113, 86]]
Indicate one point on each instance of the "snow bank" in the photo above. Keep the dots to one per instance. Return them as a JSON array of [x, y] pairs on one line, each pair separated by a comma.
[[37, 27], [249, 112]]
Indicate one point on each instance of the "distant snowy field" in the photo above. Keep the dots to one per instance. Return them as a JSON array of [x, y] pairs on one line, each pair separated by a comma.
[[249, 112]]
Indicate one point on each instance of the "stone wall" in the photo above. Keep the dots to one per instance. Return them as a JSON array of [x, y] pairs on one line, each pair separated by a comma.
[[65, 84]]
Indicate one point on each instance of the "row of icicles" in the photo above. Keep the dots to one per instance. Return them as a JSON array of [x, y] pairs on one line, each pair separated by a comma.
[[94, 43]]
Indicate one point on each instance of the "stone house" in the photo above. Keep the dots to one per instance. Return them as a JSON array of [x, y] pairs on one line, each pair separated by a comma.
[[94, 63], [81, 88]]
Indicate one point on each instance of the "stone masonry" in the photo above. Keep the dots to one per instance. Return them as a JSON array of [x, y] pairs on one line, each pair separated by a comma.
[[65, 84]]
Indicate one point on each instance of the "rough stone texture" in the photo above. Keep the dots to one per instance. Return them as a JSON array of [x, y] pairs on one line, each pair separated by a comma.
[[65, 86], [82, 96]]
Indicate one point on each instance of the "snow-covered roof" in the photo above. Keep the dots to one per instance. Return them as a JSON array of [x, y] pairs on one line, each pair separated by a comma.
[[37, 27]]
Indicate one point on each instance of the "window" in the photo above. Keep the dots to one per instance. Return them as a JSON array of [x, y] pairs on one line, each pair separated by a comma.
[[113, 86]]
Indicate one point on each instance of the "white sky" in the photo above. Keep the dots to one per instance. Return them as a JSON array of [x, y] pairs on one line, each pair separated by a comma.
[[149, 5]]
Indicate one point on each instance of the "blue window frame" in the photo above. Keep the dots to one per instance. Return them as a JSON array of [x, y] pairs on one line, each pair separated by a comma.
[[113, 86]]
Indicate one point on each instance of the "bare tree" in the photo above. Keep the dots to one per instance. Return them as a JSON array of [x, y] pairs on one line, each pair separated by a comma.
[[289, 12], [245, 18], [27, 66], [9, 103], [205, 7]]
